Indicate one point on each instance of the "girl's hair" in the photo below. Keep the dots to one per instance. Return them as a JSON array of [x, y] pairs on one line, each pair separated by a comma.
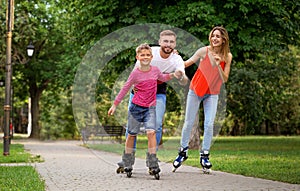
[[225, 46], [141, 47]]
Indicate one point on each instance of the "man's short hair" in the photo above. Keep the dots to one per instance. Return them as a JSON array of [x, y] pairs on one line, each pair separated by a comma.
[[167, 33]]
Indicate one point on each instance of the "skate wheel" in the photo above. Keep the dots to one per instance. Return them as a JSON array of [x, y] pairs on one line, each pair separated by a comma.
[[150, 172], [129, 174], [174, 169], [120, 170], [156, 176], [206, 171]]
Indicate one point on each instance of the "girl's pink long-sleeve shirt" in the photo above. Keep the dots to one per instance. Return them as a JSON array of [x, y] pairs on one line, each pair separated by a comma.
[[146, 84]]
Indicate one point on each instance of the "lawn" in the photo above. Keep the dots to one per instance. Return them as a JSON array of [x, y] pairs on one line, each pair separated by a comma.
[[268, 157], [19, 177]]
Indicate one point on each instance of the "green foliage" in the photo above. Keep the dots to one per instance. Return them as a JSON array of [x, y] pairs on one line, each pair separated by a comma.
[[264, 94], [264, 39], [57, 118], [257, 29], [53, 66]]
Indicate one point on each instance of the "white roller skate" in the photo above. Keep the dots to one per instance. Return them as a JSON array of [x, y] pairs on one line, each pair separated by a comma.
[[204, 162], [182, 156]]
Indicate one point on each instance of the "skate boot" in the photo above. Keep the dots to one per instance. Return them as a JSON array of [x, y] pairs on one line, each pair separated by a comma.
[[128, 159], [147, 160], [120, 164], [182, 156], [204, 161], [153, 166]]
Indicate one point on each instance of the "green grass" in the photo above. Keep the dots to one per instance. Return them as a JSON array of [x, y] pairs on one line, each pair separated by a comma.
[[19, 177], [17, 154], [273, 158]]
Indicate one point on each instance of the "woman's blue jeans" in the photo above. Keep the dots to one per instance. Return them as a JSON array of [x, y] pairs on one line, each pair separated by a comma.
[[210, 103]]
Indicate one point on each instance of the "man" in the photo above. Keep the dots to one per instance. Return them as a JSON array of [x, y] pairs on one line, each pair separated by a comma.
[[167, 61]]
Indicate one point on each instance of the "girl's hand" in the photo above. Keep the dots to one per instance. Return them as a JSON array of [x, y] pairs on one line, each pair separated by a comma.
[[112, 110]]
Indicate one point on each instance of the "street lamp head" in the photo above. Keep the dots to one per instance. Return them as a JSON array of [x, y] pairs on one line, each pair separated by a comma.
[[2, 82], [30, 50]]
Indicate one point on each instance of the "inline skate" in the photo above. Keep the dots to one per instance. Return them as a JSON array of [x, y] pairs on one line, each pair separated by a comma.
[[152, 164], [128, 159], [182, 156], [204, 162], [120, 164]]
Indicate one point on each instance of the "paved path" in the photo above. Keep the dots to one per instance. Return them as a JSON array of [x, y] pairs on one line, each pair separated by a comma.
[[69, 166]]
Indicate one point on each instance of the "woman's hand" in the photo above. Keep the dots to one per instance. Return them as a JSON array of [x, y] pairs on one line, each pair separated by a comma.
[[217, 59]]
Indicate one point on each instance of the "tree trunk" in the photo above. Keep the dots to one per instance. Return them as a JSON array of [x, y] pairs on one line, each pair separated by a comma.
[[235, 129], [35, 110], [195, 134]]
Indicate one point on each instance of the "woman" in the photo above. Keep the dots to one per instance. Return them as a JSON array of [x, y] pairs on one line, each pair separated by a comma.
[[212, 72]]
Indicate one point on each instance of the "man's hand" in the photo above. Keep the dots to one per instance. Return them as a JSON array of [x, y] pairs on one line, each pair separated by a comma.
[[182, 78], [175, 51], [178, 74]]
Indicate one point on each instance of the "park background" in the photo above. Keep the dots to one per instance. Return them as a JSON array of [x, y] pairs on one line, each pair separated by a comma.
[[262, 94]]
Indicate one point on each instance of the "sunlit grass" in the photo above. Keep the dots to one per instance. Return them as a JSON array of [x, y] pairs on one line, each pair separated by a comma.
[[19, 177], [268, 157], [18, 155]]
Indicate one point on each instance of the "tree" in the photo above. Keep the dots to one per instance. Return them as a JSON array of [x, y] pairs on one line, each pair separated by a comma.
[[38, 22], [260, 33], [256, 28]]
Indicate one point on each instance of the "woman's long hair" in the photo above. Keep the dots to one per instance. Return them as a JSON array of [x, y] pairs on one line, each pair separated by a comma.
[[225, 46]]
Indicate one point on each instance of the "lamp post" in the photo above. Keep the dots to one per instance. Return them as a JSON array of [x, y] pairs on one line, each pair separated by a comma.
[[8, 68], [8, 76], [30, 52]]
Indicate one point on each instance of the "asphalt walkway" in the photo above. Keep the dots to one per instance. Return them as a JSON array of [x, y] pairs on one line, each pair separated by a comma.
[[70, 167]]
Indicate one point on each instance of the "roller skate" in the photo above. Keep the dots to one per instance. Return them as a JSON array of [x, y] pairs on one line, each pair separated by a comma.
[[182, 156], [153, 165], [128, 159], [120, 164], [204, 161]]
